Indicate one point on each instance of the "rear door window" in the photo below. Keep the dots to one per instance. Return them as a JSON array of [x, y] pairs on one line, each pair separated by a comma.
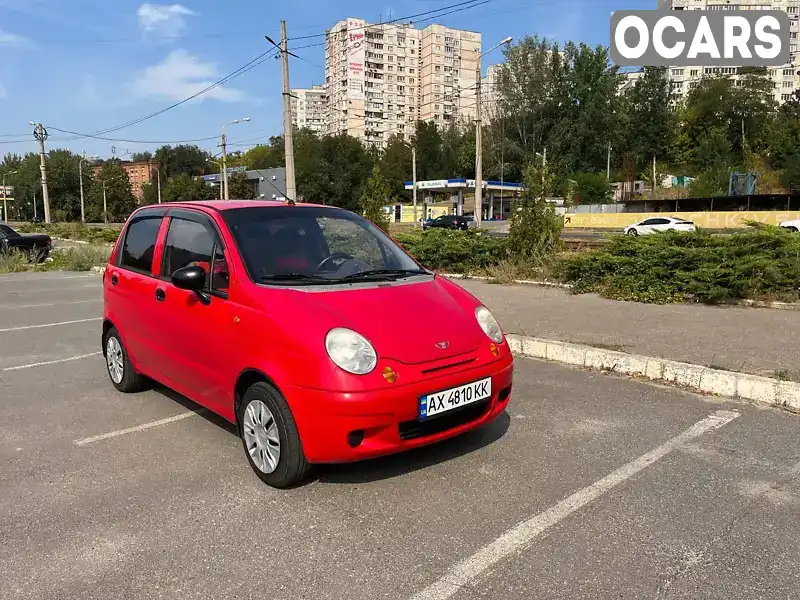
[[139, 245]]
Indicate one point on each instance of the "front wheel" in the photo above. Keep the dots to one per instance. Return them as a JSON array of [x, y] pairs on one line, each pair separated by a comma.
[[270, 438], [120, 369], [633, 233]]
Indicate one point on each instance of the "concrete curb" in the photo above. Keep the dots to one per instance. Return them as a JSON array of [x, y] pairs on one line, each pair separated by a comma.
[[98, 270], [566, 286], [764, 390]]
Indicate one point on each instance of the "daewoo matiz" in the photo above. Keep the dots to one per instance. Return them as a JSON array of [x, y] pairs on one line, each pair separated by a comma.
[[299, 324]]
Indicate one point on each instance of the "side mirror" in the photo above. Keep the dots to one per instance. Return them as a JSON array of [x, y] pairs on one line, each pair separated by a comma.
[[190, 278]]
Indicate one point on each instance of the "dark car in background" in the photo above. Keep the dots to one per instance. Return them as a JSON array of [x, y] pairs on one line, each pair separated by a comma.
[[447, 222], [35, 246]]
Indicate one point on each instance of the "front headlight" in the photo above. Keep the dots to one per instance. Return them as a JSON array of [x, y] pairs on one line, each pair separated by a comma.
[[489, 324], [350, 351]]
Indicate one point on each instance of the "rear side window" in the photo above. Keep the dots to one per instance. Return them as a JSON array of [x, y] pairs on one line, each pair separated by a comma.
[[140, 244], [188, 243]]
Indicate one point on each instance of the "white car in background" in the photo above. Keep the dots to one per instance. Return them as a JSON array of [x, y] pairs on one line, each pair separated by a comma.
[[656, 224], [791, 225]]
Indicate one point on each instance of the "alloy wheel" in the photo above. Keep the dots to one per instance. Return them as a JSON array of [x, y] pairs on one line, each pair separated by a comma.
[[115, 360], [260, 432]]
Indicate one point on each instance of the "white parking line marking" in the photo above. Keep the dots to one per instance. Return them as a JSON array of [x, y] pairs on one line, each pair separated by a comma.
[[62, 289], [50, 362], [112, 434], [17, 279], [14, 306], [50, 324], [516, 538]]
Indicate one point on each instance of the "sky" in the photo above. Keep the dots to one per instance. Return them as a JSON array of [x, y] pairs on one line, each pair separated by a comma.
[[86, 66]]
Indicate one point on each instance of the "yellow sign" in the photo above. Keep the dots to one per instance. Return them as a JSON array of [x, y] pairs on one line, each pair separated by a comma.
[[407, 212], [707, 220]]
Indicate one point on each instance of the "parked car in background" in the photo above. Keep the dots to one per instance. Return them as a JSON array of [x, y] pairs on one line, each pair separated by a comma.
[[658, 224], [448, 222], [791, 225], [35, 246], [260, 314]]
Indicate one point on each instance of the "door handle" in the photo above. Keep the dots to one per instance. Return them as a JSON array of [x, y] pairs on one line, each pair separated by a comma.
[[161, 295], [114, 279]]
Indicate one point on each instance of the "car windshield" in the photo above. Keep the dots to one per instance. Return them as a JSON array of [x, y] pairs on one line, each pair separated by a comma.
[[315, 245]]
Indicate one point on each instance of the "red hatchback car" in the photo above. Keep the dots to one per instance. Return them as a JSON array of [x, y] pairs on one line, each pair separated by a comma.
[[292, 321]]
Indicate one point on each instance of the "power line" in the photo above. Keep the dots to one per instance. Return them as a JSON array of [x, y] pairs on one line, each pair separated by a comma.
[[261, 58], [97, 137], [465, 5]]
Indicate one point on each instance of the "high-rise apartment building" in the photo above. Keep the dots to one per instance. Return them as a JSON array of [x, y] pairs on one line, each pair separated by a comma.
[[310, 108], [785, 78], [382, 78]]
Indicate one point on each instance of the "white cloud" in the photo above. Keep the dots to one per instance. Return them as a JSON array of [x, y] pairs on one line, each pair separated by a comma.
[[167, 20], [181, 75], [13, 40]]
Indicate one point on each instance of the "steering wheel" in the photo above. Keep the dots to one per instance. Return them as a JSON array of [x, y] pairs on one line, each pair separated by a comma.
[[331, 258]]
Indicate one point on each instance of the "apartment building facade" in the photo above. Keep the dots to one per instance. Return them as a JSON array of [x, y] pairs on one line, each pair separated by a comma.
[[786, 78], [382, 78], [138, 172], [310, 108]]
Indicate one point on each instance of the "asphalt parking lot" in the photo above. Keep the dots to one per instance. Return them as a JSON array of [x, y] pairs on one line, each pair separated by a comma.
[[591, 486]]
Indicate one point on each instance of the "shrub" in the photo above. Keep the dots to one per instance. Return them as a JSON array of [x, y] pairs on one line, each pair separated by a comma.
[[454, 250], [759, 263], [535, 230], [74, 231]]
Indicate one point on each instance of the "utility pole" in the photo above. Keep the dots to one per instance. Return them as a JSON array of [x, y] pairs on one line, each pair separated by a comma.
[[105, 204], [288, 132], [414, 181], [654, 176], [478, 149], [608, 163], [224, 164], [5, 195], [158, 174], [80, 176], [34, 206], [40, 134]]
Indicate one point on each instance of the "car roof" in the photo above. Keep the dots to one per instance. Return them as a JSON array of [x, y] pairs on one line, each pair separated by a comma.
[[221, 205]]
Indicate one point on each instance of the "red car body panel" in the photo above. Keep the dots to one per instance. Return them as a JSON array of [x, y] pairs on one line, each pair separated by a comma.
[[201, 350]]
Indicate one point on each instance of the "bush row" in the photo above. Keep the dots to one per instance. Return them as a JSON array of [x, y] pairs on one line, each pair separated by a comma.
[[759, 263], [454, 251], [74, 231]]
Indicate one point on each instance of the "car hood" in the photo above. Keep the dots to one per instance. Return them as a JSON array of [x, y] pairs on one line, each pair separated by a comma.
[[410, 322]]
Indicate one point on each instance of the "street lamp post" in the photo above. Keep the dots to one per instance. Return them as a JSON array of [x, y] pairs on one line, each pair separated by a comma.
[[225, 154], [5, 194], [105, 204], [479, 136], [80, 175]]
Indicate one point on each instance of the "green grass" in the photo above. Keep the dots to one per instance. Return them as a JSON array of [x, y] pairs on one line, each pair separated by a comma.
[[67, 259]]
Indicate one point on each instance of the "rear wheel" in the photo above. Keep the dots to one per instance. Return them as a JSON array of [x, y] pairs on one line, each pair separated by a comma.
[[120, 369], [270, 438], [793, 229], [633, 233]]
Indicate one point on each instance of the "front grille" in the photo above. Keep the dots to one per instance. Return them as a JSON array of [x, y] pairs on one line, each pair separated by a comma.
[[460, 363], [410, 430]]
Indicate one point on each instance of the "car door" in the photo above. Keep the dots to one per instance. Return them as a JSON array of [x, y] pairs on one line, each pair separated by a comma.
[[200, 363], [661, 224], [129, 289]]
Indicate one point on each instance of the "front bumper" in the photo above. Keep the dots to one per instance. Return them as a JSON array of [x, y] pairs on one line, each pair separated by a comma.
[[388, 417]]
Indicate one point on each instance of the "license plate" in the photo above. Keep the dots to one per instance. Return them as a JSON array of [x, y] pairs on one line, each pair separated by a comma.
[[440, 402]]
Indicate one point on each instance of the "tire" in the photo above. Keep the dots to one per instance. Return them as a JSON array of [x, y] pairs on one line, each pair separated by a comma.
[[793, 229], [633, 233], [262, 405], [116, 356]]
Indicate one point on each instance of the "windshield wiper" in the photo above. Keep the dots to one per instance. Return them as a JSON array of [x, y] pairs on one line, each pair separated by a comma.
[[384, 274], [296, 277]]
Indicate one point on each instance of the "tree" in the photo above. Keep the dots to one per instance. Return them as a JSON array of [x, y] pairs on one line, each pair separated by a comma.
[[651, 123], [182, 159], [535, 229], [428, 142], [374, 196], [592, 188], [239, 188], [149, 193], [185, 188], [120, 201], [396, 164], [142, 156]]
